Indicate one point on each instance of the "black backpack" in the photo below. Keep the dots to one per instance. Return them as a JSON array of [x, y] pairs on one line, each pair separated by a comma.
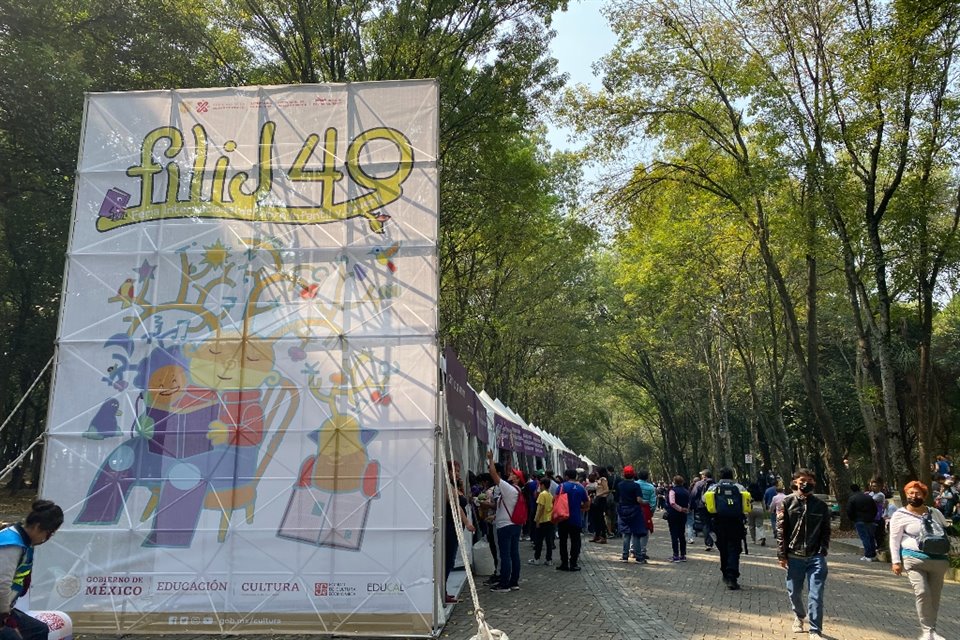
[[729, 500], [933, 539]]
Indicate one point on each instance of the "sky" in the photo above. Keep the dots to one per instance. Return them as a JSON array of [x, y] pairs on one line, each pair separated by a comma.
[[583, 37]]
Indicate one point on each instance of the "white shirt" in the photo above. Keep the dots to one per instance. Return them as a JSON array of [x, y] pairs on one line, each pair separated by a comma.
[[508, 500], [905, 531]]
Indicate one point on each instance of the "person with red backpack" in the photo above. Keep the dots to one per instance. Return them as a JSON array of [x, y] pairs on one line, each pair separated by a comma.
[[510, 515]]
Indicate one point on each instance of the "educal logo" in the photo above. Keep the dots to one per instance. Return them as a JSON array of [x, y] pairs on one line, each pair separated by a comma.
[[385, 588]]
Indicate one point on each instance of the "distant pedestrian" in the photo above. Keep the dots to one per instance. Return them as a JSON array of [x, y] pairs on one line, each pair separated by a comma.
[[755, 520], [678, 506], [941, 467], [530, 490], [862, 511], [570, 528], [648, 493], [803, 538], [632, 524], [729, 504], [545, 530], [700, 514], [949, 498], [598, 507], [925, 570], [775, 501], [880, 500], [613, 479]]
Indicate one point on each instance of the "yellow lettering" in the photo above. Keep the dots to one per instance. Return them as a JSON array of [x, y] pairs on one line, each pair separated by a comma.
[[147, 168], [233, 198]]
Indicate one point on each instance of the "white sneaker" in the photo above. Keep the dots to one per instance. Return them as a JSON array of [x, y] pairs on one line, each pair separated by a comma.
[[797, 625], [533, 561]]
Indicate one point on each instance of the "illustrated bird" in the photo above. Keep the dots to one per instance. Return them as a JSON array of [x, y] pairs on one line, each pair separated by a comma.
[[104, 423], [125, 294], [383, 255]]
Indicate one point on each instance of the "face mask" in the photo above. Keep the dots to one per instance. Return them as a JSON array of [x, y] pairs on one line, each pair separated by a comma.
[[805, 487], [915, 502]]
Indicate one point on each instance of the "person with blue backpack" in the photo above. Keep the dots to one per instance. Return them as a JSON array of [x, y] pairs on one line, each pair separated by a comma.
[[728, 503]]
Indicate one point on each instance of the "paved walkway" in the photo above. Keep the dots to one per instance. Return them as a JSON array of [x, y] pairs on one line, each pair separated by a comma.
[[610, 600]]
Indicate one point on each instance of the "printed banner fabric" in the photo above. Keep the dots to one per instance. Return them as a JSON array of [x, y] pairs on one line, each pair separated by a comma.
[[480, 419], [457, 394], [242, 417], [509, 434]]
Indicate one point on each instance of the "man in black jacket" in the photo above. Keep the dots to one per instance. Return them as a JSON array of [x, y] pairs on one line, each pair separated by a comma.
[[803, 536], [862, 511]]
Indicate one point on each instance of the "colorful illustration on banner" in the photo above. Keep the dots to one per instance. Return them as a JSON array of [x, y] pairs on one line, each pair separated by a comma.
[[210, 406], [330, 503]]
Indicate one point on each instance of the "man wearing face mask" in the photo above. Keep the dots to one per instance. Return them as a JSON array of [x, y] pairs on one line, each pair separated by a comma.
[[803, 536]]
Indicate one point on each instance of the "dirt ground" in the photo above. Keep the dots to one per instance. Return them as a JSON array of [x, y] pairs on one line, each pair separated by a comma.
[[15, 505]]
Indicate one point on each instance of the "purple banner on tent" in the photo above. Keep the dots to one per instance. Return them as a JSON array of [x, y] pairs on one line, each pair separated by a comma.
[[533, 445], [509, 434], [480, 420], [569, 460], [457, 394]]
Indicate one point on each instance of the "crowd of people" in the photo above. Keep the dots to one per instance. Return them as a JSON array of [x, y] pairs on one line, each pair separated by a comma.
[[607, 505]]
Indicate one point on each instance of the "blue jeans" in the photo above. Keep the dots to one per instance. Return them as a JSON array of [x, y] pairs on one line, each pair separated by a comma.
[[508, 542], [629, 540], [868, 537], [813, 571]]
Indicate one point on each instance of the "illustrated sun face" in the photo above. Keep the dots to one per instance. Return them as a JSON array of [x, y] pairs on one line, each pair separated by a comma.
[[216, 254], [230, 361]]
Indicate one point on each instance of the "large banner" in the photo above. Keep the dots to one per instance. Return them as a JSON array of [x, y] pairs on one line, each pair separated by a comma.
[[242, 419]]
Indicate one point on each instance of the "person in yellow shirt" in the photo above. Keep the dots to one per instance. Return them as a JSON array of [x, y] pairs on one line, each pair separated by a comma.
[[545, 528]]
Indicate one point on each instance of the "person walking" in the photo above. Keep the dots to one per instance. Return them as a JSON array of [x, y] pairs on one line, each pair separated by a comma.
[[678, 506], [700, 514], [508, 534], [756, 518], [803, 538], [862, 511], [925, 570], [570, 528], [632, 524], [728, 503], [775, 503]]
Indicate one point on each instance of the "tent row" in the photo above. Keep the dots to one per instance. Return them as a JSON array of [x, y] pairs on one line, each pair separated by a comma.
[[477, 422]]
